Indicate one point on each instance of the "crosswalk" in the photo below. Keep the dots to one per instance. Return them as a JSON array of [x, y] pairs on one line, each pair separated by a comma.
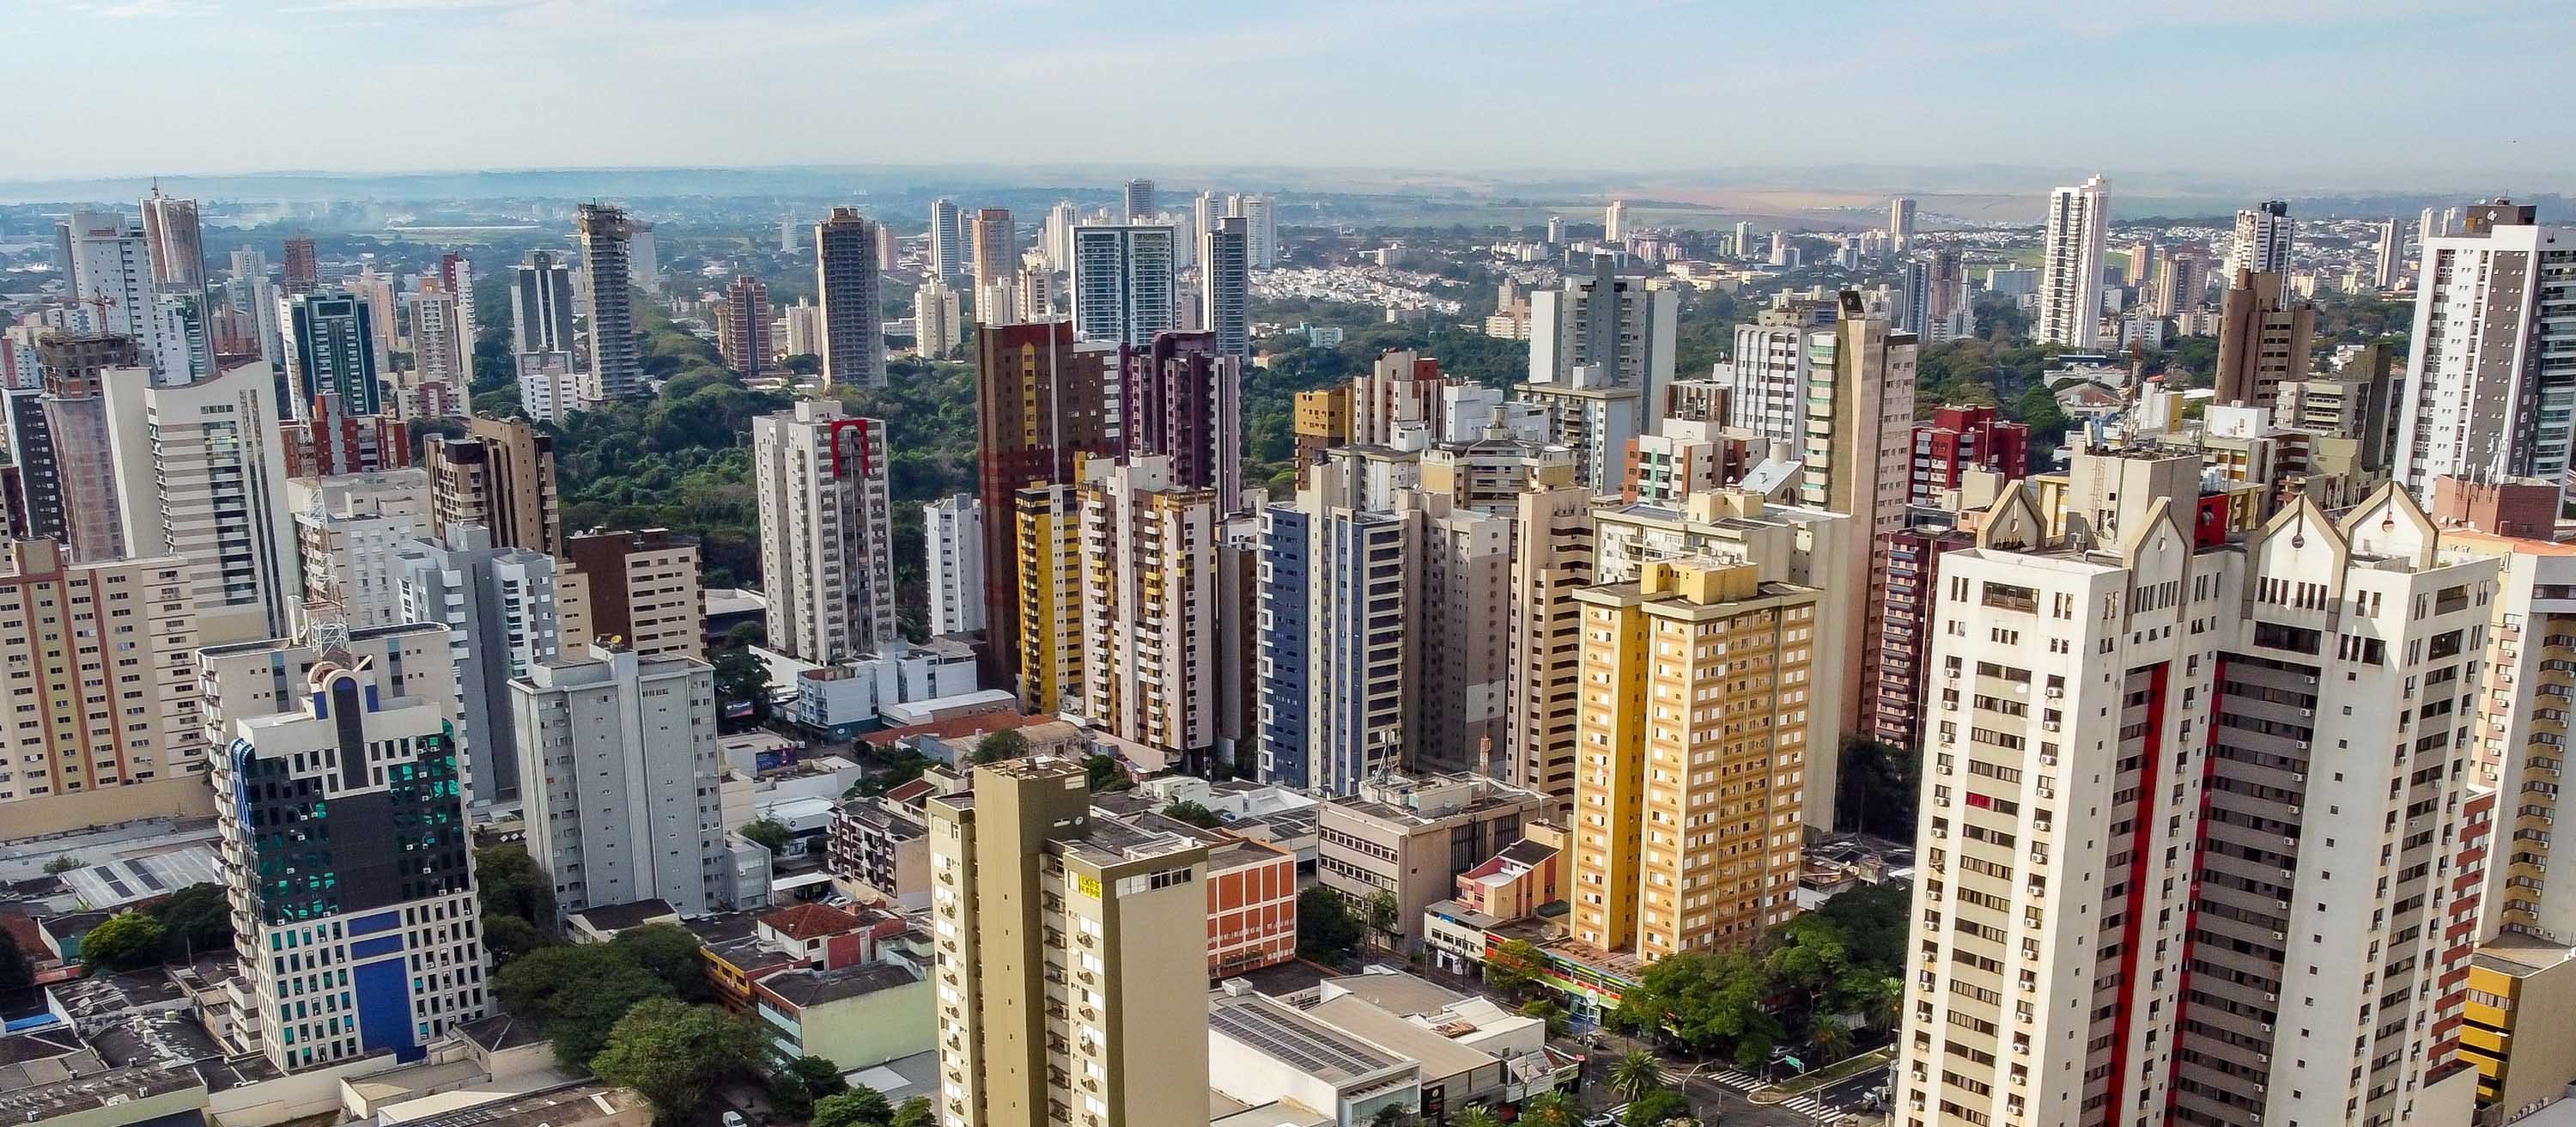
[[1809, 1106]]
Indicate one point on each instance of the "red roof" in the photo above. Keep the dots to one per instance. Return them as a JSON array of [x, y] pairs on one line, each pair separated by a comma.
[[810, 921], [974, 725]]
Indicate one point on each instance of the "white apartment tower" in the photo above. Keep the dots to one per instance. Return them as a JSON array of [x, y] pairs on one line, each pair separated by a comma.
[[2491, 365], [1226, 287], [2263, 234], [826, 537], [953, 533], [621, 770], [503, 616], [2070, 268], [2191, 811], [1148, 635], [1614, 222], [203, 476], [1122, 284], [947, 239], [347, 530]]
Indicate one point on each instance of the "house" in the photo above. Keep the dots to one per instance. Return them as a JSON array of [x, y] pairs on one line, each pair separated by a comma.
[[854, 1016], [880, 850]]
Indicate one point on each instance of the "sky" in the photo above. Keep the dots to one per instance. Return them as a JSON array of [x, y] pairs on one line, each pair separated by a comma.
[[2323, 94]]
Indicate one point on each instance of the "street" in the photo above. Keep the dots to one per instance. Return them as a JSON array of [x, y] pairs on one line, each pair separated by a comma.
[[1720, 1093]]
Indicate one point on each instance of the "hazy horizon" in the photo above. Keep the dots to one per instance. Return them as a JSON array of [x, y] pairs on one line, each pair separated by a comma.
[[2303, 94]]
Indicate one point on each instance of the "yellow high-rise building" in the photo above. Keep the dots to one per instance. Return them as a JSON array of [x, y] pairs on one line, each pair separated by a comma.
[[1693, 730], [1050, 575]]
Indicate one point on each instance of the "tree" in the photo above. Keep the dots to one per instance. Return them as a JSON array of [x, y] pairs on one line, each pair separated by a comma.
[[1552, 1109], [770, 833], [1193, 813], [16, 971], [125, 941], [674, 955], [789, 1098], [742, 676], [1395, 1115], [509, 883], [672, 1053], [915, 1112], [1103, 774], [821, 1077], [1475, 1117], [1326, 932], [1546, 1010], [194, 920], [998, 746], [1383, 913], [509, 937], [1636, 1073], [64, 864], [1513, 967], [576, 994], [1656, 1108], [861, 1106], [895, 766], [1707, 1001]]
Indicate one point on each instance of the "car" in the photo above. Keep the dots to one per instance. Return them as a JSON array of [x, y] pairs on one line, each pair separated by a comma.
[[734, 1119], [1608, 1118]]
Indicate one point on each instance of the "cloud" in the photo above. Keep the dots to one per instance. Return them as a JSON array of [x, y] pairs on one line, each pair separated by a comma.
[[148, 9]]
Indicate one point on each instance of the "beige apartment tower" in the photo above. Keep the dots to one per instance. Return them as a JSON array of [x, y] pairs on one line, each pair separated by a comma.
[[501, 475], [103, 658], [1695, 731], [1552, 548], [1061, 941], [642, 590]]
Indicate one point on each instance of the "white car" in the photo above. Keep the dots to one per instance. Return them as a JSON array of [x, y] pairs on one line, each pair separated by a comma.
[[734, 1119]]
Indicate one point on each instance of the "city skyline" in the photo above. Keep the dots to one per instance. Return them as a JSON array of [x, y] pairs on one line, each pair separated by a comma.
[[1992, 72]]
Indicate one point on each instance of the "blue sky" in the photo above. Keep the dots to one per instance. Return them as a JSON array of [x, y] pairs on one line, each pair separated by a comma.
[[2305, 93]]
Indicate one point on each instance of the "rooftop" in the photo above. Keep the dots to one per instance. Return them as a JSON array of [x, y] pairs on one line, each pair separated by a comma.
[[556, 1107], [619, 917], [802, 988], [27, 1103], [1401, 994], [500, 1031], [159, 1038], [1275, 1030], [810, 921]]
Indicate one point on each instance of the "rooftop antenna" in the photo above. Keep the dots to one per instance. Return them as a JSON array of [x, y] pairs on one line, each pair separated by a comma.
[[326, 616]]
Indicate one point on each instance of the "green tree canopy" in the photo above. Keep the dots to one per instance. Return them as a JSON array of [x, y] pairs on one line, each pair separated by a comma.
[[1193, 813], [1657, 1108], [509, 883], [821, 1077], [576, 994], [998, 746], [1326, 931], [124, 941], [1636, 1073], [672, 953], [1104, 775], [915, 1112], [861, 1106], [673, 1053], [770, 833], [1513, 966], [195, 920], [741, 675]]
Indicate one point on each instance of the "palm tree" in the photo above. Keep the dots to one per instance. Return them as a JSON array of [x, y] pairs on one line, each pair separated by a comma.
[[1635, 1074], [1832, 1039], [1475, 1117], [1552, 1109]]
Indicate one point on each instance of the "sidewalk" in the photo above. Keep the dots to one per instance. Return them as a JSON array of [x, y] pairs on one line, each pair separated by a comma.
[[1823, 1077]]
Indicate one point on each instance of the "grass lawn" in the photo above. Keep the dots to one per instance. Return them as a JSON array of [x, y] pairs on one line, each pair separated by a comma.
[[1844, 1070]]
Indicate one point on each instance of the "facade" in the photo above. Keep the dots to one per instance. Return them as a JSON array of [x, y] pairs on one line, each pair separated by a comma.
[[1961, 439], [32, 485], [2262, 244], [1046, 599], [2160, 755], [541, 306], [500, 475], [1042, 402], [331, 346], [2070, 270], [2264, 335], [744, 336], [1057, 934], [641, 590], [348, 532], [1333, 703], [170, 229], [1552, 558], [301, 267], [947, 240], [1611, 322], [609, 273], [2182, 281], [1183, 400], [953, 535], [847, 275], [619, 758], [1261, 218], [203, 472], [826, 533], [1225, 265], [107, 261], [1695, 712], [442, 349], [331, 441], [1123, 284], [2490, 374], [1407, 837], [1859, 459], [1900, 224], [1139, 201], [110, 721], [995, 248], [504, 613], [1148, 547], [79, 370], [939, 321], [350, 870], [881, 850]]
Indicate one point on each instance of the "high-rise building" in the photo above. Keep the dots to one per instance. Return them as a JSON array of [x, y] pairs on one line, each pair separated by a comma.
[[643, 258], [621, 774], [1601, 349], [77, 428], [1858, 458], [440, 346], [2182, 283], [616, 361], [1900, 224], [1037, 290], [302, 267], [177, 243], [938, 320], [1556, 230], [504, 613], [1056, 241], [1148, 642], [643, 590], [333, 441], [1139, 201], [1226, 267], [1335, 601], [1961, 439], [2392, 251], [349, 529], [1042, 402], [2264, 335], [947, 246], [2262, 243], [1691, 639], [1183, 400], [1028, 889], [456, 276], [104, 650], [1261, 223], [847, 275], [952, 533], [107, 261], [31, 486], [2070, 267], [744, 341], [201, 468], [2142, 264], [330, 338], [541, 306], [1122, 283], [995, 246], [344, 847], [500, 475], [2491, 366], [2192, 810], [1614, 222], [826, 532], [1554, 536], [1045, 631]]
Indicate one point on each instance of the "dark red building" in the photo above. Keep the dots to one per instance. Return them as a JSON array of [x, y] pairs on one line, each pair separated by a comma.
[[333, 441], [1041, 404], [1959, 439], [1185, 401], [1894, 714]]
